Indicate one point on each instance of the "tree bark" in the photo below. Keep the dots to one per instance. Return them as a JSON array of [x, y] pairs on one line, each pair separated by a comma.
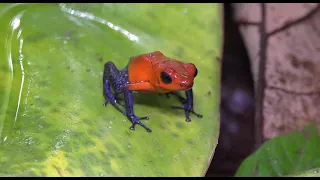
[[283, 43]]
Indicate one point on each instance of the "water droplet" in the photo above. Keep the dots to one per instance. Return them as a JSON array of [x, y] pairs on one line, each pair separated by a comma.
[[15, 23], [109, 127], [29, 140], [124, 120], [316, 171], [185, 11], [40, 126], [129, 146], [101, 174], [110, 122]]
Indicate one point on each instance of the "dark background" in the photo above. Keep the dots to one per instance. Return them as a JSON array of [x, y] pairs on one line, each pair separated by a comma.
[[236, 140]]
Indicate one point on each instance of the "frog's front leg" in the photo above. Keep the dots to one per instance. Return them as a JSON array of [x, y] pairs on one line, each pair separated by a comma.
[[130, 113], [188, 105]]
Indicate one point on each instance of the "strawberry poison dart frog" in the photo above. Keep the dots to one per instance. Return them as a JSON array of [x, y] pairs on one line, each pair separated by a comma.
[[152, 72]]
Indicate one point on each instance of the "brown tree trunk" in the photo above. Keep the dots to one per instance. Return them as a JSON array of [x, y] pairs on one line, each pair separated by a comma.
[[283, 43]]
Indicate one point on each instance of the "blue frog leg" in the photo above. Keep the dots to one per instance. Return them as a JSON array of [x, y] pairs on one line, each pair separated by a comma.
[[110, 98], [130, 113], [117, 81], [187, 104]]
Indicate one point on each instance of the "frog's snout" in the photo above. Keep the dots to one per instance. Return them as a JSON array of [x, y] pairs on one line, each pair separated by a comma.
[[186, 84]]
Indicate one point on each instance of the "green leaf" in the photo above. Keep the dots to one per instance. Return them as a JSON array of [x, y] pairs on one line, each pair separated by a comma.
[[287, 154], [51, 115], [310, 173]]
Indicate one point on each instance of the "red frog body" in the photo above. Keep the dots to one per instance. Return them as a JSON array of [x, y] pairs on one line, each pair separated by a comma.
[[157, 73], [152, 73]]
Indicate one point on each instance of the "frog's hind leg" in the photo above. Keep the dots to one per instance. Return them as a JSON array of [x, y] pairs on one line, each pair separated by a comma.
[[115, 79], [119, 99], [110, 80]]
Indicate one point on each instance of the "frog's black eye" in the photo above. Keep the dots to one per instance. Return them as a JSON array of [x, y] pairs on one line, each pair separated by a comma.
[[165, 78], [196, 73]]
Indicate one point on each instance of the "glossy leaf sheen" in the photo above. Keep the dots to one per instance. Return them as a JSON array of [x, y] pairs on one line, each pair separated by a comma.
[[51, 114], [309, 173], [285, 155]]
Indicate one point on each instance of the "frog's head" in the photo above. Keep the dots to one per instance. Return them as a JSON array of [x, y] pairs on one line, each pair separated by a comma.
[[173, 75]]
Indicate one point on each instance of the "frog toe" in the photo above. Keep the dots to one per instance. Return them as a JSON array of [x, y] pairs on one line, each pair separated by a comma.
[[187, 110], [136, 120]]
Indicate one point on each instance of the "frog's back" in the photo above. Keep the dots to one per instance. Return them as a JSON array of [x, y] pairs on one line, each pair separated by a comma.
[[140, 67]]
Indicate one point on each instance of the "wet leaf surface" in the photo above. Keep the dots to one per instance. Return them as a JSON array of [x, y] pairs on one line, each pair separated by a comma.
[[51, 115]]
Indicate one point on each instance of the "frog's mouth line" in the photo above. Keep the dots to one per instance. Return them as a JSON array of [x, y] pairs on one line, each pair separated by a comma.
[[180, 88]]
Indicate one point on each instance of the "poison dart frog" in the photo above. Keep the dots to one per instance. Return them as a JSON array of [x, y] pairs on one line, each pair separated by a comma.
[[154, 73]]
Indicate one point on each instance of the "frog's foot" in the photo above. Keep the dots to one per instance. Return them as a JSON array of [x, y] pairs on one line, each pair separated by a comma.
[[188, 108], [136, 120]]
